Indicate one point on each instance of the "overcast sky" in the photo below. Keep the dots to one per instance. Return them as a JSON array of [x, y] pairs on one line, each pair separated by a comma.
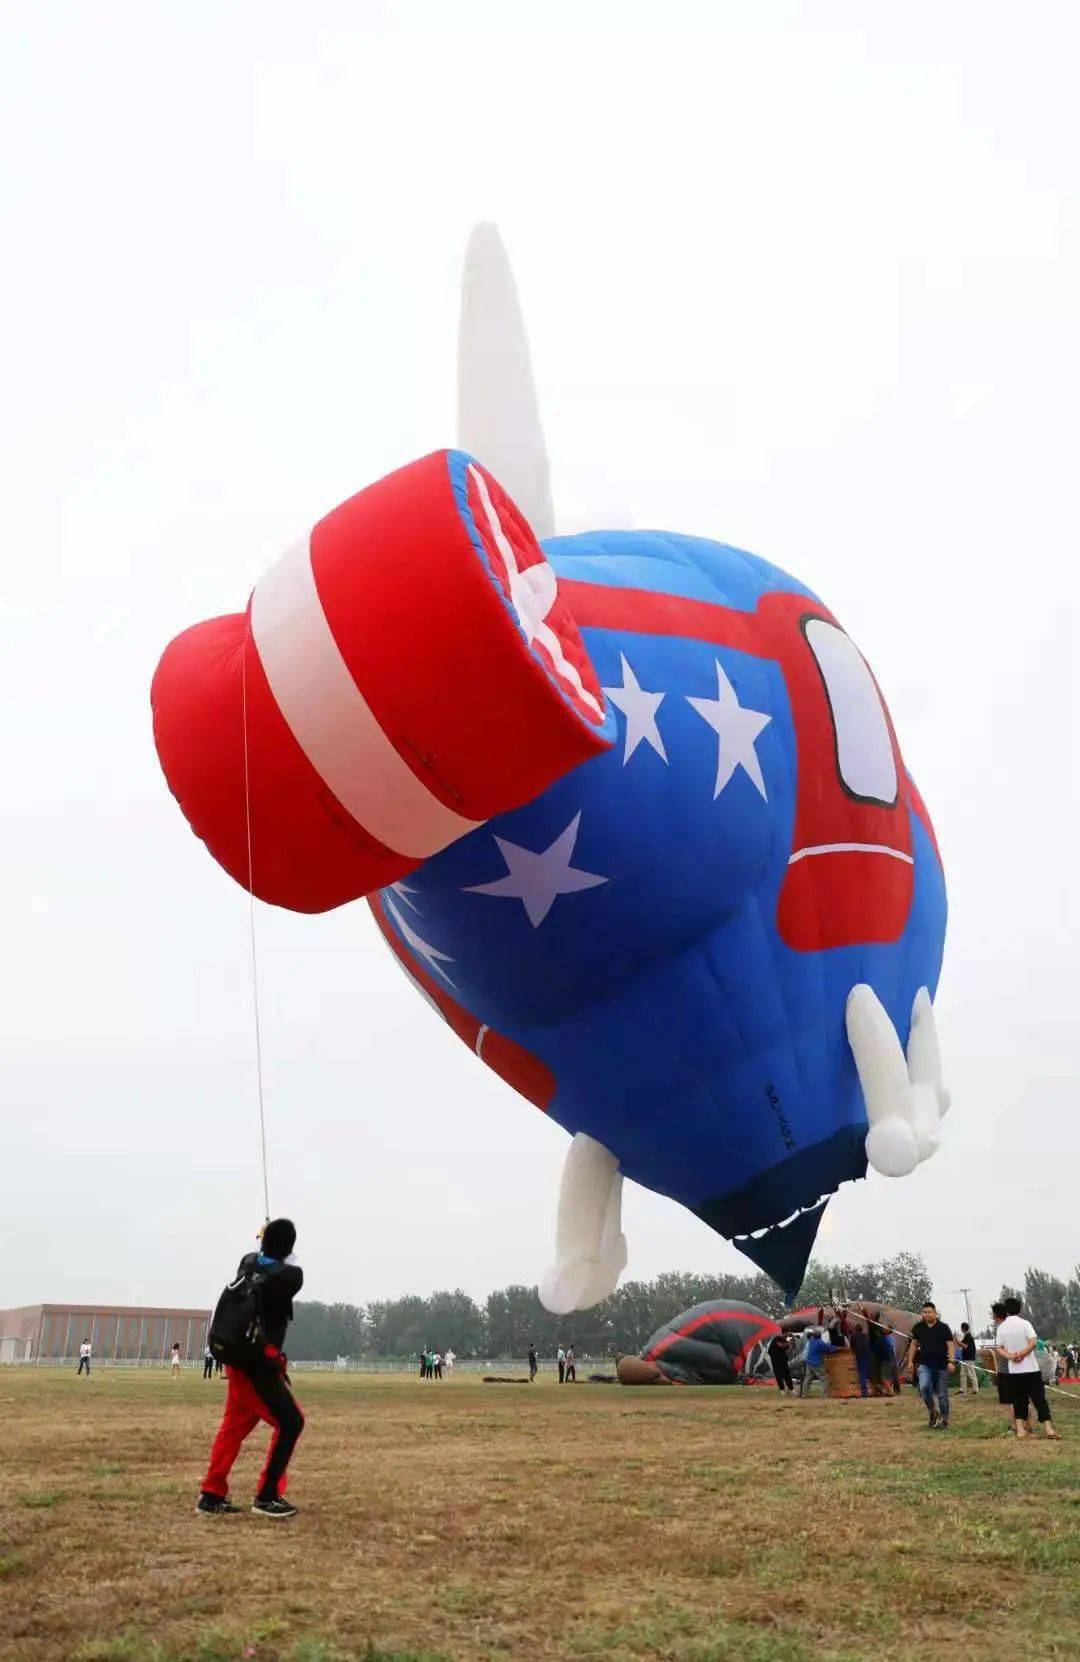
[[802, 277]]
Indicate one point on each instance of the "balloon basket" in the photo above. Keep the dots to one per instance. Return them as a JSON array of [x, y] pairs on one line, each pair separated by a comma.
[[842, 1380]]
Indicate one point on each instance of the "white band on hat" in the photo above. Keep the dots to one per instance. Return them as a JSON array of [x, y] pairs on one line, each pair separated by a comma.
[[332, 722]]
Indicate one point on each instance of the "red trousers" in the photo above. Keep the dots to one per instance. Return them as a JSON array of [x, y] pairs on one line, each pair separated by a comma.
[[244, 1408]]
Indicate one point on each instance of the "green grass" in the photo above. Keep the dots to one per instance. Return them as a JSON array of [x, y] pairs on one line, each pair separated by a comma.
[[466, 1523]]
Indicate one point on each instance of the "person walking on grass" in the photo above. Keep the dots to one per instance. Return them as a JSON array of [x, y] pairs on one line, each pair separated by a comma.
[[931, 1365], [969, 1378], [571, 1370], [249, 1328], [175, 1365], [533, 1364], [779, 1351], [1016, 1341], [207, 1362], [817, 1348], [560, 1357], [84, 1359]]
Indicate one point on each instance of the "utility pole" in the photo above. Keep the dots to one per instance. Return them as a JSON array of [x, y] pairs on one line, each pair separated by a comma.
[[967, 1301]]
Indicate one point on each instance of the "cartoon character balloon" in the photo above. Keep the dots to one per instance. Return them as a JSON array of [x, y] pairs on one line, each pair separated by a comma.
[[628, 808]]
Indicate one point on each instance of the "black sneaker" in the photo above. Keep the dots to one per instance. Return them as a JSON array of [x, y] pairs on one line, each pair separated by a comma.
[[274, 1508], [212, 1506]]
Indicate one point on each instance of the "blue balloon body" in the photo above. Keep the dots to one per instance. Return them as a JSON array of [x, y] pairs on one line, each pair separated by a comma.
[[673, 929]]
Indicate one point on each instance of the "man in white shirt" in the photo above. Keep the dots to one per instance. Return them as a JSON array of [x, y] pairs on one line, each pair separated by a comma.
[[1015, 1341], [84, 1359], [560, 1357]]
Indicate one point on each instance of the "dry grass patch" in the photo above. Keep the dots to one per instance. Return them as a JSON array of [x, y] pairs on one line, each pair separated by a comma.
[[455, 1521]]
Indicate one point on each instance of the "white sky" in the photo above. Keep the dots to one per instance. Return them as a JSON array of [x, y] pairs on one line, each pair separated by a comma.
[[803, 277]]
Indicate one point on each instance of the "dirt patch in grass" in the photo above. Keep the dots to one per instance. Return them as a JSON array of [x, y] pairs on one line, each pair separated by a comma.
[[452, 1521]]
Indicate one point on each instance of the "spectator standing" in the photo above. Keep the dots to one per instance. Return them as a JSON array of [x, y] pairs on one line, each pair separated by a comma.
[[533, 1364], [560, 1357], [1016, 1343], [1002, 1377], [969, 1378], [930, 1364], [84, 1359], [571, 1371], [436, 1364], [207, 1362], [175, 1364], [448, 1361]]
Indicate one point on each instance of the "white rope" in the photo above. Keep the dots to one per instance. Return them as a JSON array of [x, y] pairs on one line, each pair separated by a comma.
[[254, 955]]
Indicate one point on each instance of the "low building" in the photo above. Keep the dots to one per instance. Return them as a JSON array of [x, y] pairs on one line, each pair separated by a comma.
[[117, 1332]]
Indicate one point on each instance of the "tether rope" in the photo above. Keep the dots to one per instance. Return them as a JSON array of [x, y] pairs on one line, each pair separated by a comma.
[[251, 934]]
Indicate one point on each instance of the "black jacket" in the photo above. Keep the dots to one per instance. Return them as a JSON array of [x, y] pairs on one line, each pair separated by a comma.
[[280, 1284]]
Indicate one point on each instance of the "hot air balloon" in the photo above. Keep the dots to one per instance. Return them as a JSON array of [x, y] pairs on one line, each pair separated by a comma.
[[628, 808], [721, 1342]]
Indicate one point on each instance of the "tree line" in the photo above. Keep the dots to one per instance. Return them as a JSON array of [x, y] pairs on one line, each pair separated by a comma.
[[512, 1318], [1052, 1306]]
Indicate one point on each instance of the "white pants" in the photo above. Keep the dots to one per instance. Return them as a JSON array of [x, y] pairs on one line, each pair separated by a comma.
[[968, 1376]]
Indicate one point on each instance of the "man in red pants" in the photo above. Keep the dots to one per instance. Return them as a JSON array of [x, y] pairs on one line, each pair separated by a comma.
[[259, 1390]]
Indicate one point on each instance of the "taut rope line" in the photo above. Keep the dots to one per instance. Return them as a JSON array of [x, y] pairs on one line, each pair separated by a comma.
[[251, 934]]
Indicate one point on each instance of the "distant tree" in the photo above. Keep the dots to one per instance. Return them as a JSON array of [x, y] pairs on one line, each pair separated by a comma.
[[398, 1326], [1008, 1292], [902, 1280], [817, 1284], [513, 1317], [455, 1322], [323, 1332], [1072, 1303], [905, 1281], [1046, 1300]]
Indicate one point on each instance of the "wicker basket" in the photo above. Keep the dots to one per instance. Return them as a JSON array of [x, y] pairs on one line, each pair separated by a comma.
[[842, 1375]]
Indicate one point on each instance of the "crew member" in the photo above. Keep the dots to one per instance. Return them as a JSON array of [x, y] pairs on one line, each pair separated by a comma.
[[261, 1391]]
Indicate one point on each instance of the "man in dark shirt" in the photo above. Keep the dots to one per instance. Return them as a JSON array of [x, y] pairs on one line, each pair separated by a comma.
[[860, 1345], [261, 1391], [969, 1378], [780, 1359], [533, 1364], [931, 1364]]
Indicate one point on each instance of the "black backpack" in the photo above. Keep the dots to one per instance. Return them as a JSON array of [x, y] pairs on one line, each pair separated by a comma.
[[236, 1334]]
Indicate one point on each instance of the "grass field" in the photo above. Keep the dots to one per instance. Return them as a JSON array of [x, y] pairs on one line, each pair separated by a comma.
[[462, 1520]]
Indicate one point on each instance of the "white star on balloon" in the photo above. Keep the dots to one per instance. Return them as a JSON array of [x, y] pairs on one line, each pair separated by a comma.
[[737, 729], [403, 892], [537, 880], [430, 954], [639, 707]]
